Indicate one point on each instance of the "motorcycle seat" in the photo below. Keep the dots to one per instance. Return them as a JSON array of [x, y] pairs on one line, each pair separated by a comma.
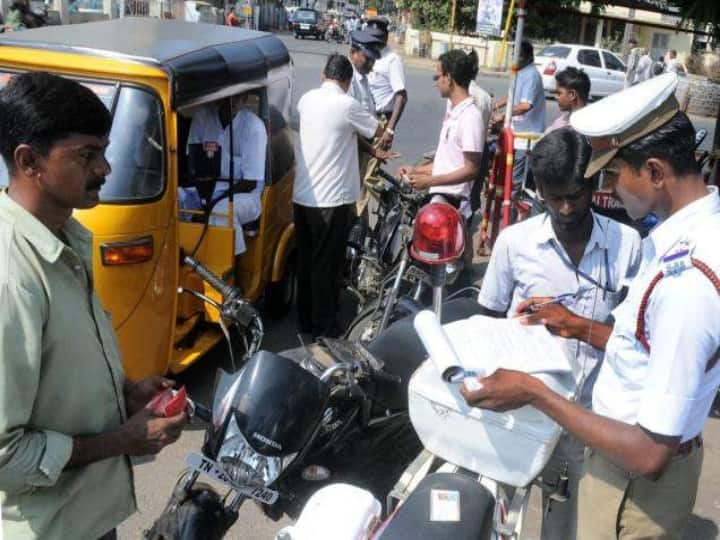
[[402, 352], [430, 512]]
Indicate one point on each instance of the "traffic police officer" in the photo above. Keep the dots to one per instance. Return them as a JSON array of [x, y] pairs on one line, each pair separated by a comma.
[[660, 372], [364, 51], [387, 81]]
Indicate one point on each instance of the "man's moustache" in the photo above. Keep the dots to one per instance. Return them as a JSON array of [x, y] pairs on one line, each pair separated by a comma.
[[97, 184]]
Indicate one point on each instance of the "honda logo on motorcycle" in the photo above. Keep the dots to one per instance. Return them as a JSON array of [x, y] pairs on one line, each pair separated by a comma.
[[265, 440]]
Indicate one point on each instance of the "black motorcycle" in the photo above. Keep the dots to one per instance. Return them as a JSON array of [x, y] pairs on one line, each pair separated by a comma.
[[285, 425]]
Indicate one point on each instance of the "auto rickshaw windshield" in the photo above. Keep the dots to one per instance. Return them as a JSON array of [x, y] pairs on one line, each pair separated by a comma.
[[136, 151]]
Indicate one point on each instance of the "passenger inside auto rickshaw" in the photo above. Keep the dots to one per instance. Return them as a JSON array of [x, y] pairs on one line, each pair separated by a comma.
[[209, 164]]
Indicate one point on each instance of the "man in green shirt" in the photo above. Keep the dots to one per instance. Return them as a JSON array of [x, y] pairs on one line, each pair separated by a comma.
[[68, 417]]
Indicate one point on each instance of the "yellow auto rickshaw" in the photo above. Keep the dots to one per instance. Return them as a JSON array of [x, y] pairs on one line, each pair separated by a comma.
[[153, 75]]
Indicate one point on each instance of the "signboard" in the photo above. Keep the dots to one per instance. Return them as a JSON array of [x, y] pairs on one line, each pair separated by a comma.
[[489, 17]]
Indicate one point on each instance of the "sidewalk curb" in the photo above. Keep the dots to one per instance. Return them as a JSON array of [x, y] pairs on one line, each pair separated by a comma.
[[429, 63]]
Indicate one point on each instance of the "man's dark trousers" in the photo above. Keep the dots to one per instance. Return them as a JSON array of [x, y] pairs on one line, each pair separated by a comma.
[[321, 235]]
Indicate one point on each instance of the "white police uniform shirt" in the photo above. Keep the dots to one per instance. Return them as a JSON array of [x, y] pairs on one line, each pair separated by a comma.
[[249, 159], [360, 90], [328, 170], [529, 89], [387, 79], [528, 260], [668, 391]]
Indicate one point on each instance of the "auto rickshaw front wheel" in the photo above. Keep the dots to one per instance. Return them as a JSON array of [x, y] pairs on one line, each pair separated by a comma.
[[279, 295]]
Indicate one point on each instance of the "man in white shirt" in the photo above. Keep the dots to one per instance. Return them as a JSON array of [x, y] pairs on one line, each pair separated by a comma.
[[661, 369], [462, 137], [673, 63], [644, 67], [483, 103], [631, 62], [211, 127], [351, 25], [528, 108], [572, 90], [327, 186], [568, 250], [387, 82]]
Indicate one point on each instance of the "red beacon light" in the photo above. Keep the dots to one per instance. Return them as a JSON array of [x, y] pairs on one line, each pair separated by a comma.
[[438, 235]]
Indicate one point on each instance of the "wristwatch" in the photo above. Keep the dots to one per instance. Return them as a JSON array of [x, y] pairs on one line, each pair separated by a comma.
[[390, 131]]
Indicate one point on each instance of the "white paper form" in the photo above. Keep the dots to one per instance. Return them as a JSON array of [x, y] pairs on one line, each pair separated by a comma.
[[438, 346], [485, 344]]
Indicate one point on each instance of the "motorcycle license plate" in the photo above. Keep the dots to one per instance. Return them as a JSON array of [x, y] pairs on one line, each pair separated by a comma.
[[205, 465], [304, 27]]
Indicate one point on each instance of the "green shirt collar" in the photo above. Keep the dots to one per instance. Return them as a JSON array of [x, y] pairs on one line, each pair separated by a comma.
[[49, 246]]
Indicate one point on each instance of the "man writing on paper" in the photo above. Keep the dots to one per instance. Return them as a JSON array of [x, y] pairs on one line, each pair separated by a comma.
[[571, 251], [661, 368]]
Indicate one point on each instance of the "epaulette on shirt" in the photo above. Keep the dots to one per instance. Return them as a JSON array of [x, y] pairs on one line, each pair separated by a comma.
[[675, 262], [678, 260]]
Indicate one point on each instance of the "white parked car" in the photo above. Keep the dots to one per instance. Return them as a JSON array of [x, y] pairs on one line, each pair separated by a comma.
[[605, 69]]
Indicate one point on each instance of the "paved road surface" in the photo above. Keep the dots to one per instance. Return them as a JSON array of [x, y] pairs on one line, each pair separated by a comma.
[[417, 133]]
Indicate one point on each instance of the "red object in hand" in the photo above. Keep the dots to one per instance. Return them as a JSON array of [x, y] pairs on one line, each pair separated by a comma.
[[167, 403]]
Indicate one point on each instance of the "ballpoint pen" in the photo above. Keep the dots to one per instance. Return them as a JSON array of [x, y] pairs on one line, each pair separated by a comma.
[[559, 299]]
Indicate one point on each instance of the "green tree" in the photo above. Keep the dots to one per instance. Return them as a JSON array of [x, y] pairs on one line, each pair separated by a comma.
[[435, 14], [374, 4], [701, 12]]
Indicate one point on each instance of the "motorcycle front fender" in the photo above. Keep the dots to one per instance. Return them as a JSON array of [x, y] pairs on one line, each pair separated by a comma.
[[197, 514]]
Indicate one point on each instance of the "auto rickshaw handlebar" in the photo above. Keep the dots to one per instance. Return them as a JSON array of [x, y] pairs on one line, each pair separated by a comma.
[[234, 306], [214, 281]]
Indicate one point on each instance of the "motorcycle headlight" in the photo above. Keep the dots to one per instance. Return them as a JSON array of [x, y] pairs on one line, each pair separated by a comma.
[[243, 464]]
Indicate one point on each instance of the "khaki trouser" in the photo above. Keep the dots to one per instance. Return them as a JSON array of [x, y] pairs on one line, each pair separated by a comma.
[[368, 164], [367, 168], [615, 505], [560, 518]]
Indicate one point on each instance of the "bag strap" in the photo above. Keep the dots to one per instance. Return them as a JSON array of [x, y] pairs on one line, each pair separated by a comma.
[[640, 326]]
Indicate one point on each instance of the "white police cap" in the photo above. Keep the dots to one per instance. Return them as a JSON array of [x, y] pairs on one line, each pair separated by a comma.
[[624, 117]]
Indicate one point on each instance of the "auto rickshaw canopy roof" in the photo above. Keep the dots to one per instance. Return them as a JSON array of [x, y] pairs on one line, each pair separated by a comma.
[[200, 59]]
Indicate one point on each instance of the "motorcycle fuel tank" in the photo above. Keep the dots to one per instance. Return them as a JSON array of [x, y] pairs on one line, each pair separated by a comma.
[[278, 404]]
